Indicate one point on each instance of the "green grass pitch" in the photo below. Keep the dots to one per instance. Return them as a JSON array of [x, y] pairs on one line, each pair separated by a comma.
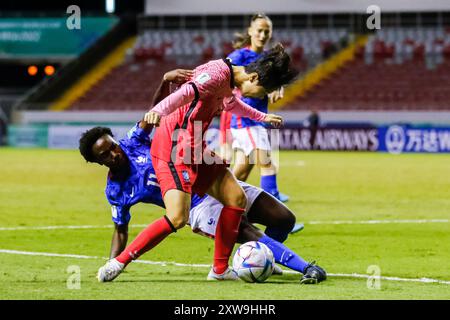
[[57, 188]]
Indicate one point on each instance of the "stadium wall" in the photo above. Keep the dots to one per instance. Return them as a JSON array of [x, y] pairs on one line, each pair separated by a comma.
[[61, 130], [441, 118], [199, 7]]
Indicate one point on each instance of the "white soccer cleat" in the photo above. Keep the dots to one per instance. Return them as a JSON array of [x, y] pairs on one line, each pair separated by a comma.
[[277, 271], [110, 270], [229, 274]]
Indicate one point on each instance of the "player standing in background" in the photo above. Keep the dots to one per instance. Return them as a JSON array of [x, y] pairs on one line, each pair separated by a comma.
[[251, 138], [183, 165]]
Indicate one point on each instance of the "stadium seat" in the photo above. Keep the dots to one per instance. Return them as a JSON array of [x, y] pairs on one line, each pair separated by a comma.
[[130, 86]]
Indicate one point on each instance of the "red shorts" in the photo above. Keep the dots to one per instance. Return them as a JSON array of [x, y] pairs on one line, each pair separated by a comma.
[[195, 178]]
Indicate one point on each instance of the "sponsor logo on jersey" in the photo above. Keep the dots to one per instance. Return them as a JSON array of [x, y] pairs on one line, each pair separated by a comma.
[[203, 78], [141, 159]]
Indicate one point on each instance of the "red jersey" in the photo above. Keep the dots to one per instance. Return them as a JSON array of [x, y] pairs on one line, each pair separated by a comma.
[[188, 112]]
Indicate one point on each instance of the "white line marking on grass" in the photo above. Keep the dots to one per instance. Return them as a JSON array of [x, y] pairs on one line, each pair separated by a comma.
[[47, 254], [417, 221], [194, 265], [110, 226]]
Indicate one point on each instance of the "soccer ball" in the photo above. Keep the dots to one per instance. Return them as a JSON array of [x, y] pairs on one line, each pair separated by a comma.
[[253, 262]]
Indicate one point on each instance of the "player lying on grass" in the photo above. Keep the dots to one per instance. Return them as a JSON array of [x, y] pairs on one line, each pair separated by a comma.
[[131, 179]]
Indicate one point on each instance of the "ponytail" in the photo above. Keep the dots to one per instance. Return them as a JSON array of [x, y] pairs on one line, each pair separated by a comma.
[[241, 40]]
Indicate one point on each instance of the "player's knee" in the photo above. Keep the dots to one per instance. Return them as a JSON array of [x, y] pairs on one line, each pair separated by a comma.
[[288, 219], [178, 221], [240, 200]]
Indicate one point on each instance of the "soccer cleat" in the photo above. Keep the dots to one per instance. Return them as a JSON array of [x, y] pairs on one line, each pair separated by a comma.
[[277, 271], [229, 274], [110, 270], [297, 227], [313, 274], [282, 197]]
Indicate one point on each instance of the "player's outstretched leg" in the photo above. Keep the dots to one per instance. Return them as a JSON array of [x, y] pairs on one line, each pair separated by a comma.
[[282, 254], [312, 273], [152, 235]]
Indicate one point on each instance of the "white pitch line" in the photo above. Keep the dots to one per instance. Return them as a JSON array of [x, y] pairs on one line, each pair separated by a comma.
[[47, 254], [109, 226], [166, 263], [417, 221], [324, 222]]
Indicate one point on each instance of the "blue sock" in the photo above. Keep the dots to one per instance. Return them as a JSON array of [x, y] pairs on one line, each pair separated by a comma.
[[283, 255], [276, 234], [269, 185]]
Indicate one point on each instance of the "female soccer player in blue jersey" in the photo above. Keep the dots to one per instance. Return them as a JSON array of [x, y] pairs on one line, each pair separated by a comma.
[[250, 138]]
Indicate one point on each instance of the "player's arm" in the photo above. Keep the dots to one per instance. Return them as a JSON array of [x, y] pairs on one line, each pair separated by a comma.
[[170, 102], [240, 108], [119, 239], [177, 76]]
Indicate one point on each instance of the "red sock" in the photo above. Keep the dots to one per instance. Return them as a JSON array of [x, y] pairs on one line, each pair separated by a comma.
[[226, 235], [146, 240]]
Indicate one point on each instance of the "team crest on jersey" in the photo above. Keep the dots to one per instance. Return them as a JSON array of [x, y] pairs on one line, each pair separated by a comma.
[[185, 175], [202, 78]]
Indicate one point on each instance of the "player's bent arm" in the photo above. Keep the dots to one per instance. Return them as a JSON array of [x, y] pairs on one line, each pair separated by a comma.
[[119, 240], [169, 104]]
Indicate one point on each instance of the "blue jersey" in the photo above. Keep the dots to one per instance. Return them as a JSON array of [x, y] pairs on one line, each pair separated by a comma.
[[243, 57], [140, 184]]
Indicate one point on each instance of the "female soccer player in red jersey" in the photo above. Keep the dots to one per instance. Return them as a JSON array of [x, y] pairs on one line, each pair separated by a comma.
[[183, 165]]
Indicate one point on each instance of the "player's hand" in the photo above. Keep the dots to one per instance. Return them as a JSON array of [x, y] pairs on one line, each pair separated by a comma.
[[273, 119], [178, 76], [276, 95], [152, 118]]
